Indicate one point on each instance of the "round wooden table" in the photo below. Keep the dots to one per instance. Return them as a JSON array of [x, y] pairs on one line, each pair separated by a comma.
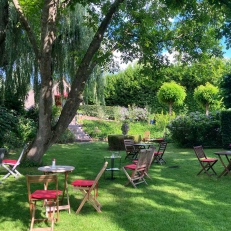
[[60, 169]]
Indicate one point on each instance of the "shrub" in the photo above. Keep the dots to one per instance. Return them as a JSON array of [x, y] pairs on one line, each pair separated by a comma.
[[66, 137], [116, 142], [226, 128], [196, 129]]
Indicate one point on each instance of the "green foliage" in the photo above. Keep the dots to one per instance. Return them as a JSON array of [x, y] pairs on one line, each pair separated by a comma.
[[98, 111], [8, 122], [171, 93], [116, 142], [196, 129], [66, 137], [225, 87], [130, 87], [207, 96], [226, 128], [15, 128], [114, 127], [33, 114], [23, 132]]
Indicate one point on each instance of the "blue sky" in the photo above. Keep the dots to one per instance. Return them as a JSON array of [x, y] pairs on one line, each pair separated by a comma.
[[227, 53]]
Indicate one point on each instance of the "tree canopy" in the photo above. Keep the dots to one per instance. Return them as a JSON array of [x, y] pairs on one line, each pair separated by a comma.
[[49, 39], [171, 93], [207, 96]]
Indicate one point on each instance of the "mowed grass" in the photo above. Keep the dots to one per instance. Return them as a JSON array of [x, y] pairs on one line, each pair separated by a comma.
[[175, 199]]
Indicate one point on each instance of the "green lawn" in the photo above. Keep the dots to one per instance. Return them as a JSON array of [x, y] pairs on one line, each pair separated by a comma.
[[175, 198]]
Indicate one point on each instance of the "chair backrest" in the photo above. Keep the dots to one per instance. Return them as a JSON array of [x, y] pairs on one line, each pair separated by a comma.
[[99, 175], [21, 155], [146, 135], [45, 179], [145, 157], [199, 151], [128, 144], [162, 147]]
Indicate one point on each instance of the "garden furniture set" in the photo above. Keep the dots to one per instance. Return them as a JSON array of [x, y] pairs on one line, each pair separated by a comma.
[[53, 199], [207, 163]]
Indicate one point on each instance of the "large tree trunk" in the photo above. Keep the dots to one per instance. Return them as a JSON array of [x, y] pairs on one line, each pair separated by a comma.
[[47, 135]]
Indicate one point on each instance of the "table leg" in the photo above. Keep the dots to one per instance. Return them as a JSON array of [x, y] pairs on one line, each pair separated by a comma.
[[112, 167], [227, 167], [65, 191]]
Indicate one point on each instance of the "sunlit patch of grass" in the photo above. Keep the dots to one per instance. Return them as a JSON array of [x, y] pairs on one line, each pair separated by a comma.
[[174, 199]]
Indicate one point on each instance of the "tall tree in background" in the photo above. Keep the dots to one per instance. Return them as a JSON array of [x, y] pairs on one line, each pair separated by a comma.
[[137, 29]]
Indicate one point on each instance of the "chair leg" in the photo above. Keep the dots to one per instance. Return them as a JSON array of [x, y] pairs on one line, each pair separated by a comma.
[[206, 168], [32, 216], [10, 171], [83, 201]]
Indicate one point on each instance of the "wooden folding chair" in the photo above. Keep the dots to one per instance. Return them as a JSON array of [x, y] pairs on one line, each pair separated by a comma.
[[205, 162], [152, 149], [89, 189], [50, 198], [130, 149], [10, 165], [158, 155], [139, 169]]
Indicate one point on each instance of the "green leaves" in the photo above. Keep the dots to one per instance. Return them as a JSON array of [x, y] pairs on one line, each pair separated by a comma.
[[171, 93], [207, 95]]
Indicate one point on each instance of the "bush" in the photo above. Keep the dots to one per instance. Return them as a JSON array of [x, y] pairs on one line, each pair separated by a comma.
[[226, 128], [116, 142], [196, 129], [66, 137]]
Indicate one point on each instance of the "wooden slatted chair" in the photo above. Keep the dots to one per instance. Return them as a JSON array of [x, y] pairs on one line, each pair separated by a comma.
[[158, 155], [130, 150], [89, 189], [50, 198], [205, 162], [137, 171]]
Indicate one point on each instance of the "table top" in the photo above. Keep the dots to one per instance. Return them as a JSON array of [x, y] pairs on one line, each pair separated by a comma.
[[223, 153], [157, 140], [112, 157], [57, 168], [141, 144]]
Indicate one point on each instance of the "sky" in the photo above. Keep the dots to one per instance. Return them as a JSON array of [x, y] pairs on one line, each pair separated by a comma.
[[227, 53]]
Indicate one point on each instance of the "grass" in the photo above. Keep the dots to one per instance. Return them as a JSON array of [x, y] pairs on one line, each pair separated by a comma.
[[175, 199]]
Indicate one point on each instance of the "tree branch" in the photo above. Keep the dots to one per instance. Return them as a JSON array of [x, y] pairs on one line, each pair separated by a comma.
[[96, 42], [27, 28]]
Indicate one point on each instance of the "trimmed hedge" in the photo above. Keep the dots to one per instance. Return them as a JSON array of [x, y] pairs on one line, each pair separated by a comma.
[[116, 142], [225, 118]]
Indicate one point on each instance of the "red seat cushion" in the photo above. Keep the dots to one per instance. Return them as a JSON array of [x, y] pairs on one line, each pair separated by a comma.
[[83, 183], [44, 194], [131, 166], [158, 153], [209, 160], [6, 161]]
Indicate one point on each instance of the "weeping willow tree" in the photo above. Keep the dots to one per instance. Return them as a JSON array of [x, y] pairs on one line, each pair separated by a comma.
[[52, 39], [16, 64], [21, 72]]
